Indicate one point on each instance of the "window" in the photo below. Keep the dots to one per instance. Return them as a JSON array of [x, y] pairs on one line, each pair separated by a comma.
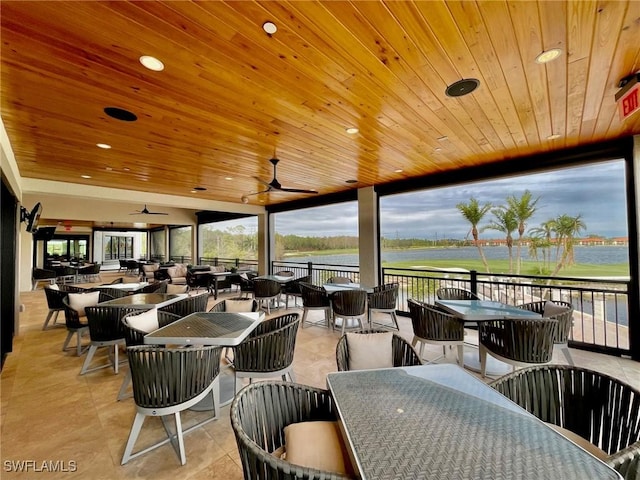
[[118, 247], [230, 239], [157, 245], [180, 242]]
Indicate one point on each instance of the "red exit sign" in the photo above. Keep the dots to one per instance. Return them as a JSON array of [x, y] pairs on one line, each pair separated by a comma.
[[629, 96]]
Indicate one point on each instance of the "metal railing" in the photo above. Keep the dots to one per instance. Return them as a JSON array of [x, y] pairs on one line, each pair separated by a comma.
[[601, 307], [229, 263]]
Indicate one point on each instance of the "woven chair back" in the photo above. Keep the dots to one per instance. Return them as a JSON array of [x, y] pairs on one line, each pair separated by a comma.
[[265, 288], [431, 323], [314, 296], [133, 336], [104, 322], [188, 305], [54, 298], [518, 339], [565, 319], [349, 303], [403, 353], [259, 414], [384, 296], [450, 293], [164, 377]]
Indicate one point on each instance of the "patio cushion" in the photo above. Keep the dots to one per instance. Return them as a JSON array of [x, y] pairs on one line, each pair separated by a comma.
[[237, 306], [78, 301], [54, 287], [218, 269], [551, 309], [317, 445], [174, 289], [370, 350], [581, 442], [145, 321]]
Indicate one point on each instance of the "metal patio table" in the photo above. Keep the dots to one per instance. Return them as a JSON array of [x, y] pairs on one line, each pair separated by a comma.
[[145, 300], [440, 422]]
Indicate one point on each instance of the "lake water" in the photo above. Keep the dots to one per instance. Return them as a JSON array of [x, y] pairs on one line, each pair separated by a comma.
[[600, 255]]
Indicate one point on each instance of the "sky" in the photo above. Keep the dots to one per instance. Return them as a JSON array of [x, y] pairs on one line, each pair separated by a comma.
[[596, 192]]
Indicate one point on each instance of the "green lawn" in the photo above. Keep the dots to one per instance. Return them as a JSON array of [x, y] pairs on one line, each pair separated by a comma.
[[528, 268]]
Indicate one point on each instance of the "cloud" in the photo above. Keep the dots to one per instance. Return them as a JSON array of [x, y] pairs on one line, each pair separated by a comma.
[[596, 192]]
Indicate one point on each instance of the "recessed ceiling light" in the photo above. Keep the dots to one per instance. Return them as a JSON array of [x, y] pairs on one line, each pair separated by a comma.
[[194, 191], [108, 169], [85, 176], [399, 170], [120, 114], [462, 87], [443, 138], [437, 149], [126, 169], [555, 136], [269, 27], [351, 130], [228, 178], [106, 146], [548, 55], [152, 63]]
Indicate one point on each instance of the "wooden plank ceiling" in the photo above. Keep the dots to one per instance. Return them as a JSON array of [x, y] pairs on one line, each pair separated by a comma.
[[231, 95]]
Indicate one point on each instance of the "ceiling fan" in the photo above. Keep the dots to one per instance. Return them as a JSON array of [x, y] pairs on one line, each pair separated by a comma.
[[274, 185], [145, 211]]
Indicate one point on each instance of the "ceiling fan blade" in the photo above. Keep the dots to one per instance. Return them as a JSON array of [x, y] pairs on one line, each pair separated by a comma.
[[296, 190], [258, 193], [266, 184], [157, 213]]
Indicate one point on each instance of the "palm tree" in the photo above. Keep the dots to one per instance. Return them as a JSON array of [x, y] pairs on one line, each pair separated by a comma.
[[567, 228], [523, 209], [474, 213], [506, 223], [543, 235]]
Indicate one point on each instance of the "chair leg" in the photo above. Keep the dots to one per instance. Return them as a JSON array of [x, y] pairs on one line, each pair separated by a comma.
[[461, 355], [394, 318], [87, 360], [215, 394], [133, 436], [567, 355], [304, 316], [292, 376], [183, 457], [65, 345], [483, 361], [123, 388], [49, 315]]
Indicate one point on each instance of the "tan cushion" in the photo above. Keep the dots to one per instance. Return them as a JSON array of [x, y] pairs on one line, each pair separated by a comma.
[[317, 445], [581, 442], [150, 268], [145, 321], [174, 289], [218, 269], [551, 309], [370, 350], [54, 286], [79, 301], [236, 306], [172, 271], [280, 453]]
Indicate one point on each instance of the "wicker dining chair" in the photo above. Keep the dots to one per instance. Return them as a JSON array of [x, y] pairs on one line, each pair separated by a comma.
[[383, 299], [54, 302], [167, 381], [349, 305], [517, 341], [292, 289], [599, 408], [268, 350], [452, 293], [76, 324], [404, 355], [315, 298], [105, 330], [563, 313], [259, 414], [265, 291], [188, 305], [339, 279], [233, 304], [135, 337], [434, 326], [114, 292]]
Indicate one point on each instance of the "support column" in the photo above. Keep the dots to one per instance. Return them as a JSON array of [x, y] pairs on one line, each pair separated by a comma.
[[369, 233], [266, 242], [633, 199]]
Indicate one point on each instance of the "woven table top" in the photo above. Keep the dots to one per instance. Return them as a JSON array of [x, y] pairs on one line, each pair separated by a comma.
[[402, 426], [204, 328]]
